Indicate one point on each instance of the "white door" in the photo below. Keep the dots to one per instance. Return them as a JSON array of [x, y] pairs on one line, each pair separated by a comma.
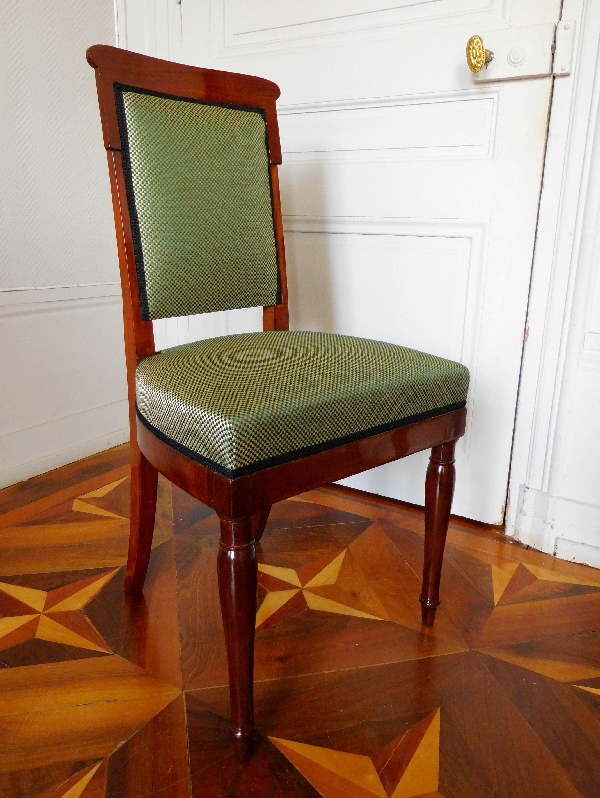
[[410, 191]]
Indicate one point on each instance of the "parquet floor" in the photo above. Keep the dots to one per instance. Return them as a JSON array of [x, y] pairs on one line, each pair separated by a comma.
[[105, 697]]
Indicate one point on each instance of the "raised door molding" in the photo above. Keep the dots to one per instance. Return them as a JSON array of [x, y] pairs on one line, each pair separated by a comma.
[[152, 27], [454, 125], [325, 282], [268, 24]]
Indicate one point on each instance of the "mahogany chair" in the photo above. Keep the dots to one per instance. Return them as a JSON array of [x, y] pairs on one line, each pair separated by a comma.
[[244, 421]]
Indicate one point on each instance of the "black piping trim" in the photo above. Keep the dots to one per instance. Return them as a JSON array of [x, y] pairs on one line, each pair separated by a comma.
[[127, 172], [133, 215], [297, 454]]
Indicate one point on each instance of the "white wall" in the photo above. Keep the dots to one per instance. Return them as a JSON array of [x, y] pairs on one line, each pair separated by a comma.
[[555, 480], [62, 377]]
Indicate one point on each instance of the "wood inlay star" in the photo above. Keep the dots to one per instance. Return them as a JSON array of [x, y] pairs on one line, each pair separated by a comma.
[[345, 583], [74, 787], [406, 768], [283, 604], [81, 506], [55, 615]]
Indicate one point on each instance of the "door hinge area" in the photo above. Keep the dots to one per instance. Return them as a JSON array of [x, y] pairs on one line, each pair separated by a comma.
[[564, 46], [529, 52]]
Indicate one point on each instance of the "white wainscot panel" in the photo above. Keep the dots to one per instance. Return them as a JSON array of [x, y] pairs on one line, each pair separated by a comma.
[[270, 21], [62, 382], [409, 283], [390, 129]]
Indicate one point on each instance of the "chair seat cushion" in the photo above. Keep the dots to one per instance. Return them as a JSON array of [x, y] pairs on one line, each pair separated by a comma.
[[241, 403]]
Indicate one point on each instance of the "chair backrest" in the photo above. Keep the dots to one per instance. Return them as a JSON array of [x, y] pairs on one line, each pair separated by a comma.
[[199, 198], [193, 156]]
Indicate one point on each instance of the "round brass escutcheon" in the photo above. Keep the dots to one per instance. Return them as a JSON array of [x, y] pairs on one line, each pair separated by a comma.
[[477, 56]]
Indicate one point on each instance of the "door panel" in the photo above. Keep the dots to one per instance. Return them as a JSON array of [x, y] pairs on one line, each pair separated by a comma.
[[409, 193], [389, 130]]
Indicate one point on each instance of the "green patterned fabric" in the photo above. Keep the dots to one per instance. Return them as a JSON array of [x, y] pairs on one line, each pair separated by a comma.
[[245, 402], [199, 194]]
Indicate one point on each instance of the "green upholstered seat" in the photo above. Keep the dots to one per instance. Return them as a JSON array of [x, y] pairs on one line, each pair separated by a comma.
[[242, 403]]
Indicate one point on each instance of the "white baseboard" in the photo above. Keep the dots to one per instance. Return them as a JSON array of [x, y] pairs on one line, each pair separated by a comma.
[[577, 552], [565, 528], [62, 441]]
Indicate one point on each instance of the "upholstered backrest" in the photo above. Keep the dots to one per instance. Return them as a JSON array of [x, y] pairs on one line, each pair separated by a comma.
[[199, 196]]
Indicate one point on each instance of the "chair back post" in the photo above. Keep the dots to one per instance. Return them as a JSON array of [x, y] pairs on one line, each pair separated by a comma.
[[277, 317], [138, 334]]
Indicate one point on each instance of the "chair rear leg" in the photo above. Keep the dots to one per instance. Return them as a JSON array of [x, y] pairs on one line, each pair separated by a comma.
[[144, 484], [439, 490], [237, 571]]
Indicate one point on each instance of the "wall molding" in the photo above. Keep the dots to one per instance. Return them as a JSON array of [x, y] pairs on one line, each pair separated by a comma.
[[23, 297], [69, 402]]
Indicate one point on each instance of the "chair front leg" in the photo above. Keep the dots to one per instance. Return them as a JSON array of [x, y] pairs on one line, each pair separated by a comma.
[[144, 485], [439, 490], [237, 571]]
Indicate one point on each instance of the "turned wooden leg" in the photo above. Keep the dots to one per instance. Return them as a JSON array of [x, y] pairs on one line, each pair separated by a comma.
[[144, 483], [237, 572], [259, 522], [439, 489]]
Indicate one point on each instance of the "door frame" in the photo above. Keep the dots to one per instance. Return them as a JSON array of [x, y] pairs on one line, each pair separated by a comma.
[[557, 259]]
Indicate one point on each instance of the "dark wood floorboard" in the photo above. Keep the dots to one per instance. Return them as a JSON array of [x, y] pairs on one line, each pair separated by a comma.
[[104, 696]]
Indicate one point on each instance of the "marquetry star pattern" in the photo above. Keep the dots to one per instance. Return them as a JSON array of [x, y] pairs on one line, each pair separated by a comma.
[[55, 616], [521, 595], [516, 630], [406, 768], [85, 782], [516, 582], [92, 504], [369, 579]]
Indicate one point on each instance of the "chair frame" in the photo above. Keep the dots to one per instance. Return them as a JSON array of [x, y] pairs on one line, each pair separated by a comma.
[[243, 504]]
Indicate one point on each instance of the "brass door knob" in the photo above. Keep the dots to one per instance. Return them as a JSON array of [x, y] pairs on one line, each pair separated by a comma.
[[477, 56]]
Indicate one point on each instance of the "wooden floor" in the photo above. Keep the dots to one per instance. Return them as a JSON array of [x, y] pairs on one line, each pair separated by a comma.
[[104, 696]]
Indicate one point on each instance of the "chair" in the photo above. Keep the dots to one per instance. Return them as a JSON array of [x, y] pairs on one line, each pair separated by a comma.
[[241, 422]]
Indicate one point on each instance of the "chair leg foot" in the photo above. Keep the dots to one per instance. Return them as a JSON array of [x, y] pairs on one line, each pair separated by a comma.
[[244, 746], [428, 612], [439, 490], [237, 572], [144, 485]]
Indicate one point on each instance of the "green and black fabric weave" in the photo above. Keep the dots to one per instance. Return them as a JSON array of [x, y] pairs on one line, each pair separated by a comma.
[[199, 196], [242, 403]]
